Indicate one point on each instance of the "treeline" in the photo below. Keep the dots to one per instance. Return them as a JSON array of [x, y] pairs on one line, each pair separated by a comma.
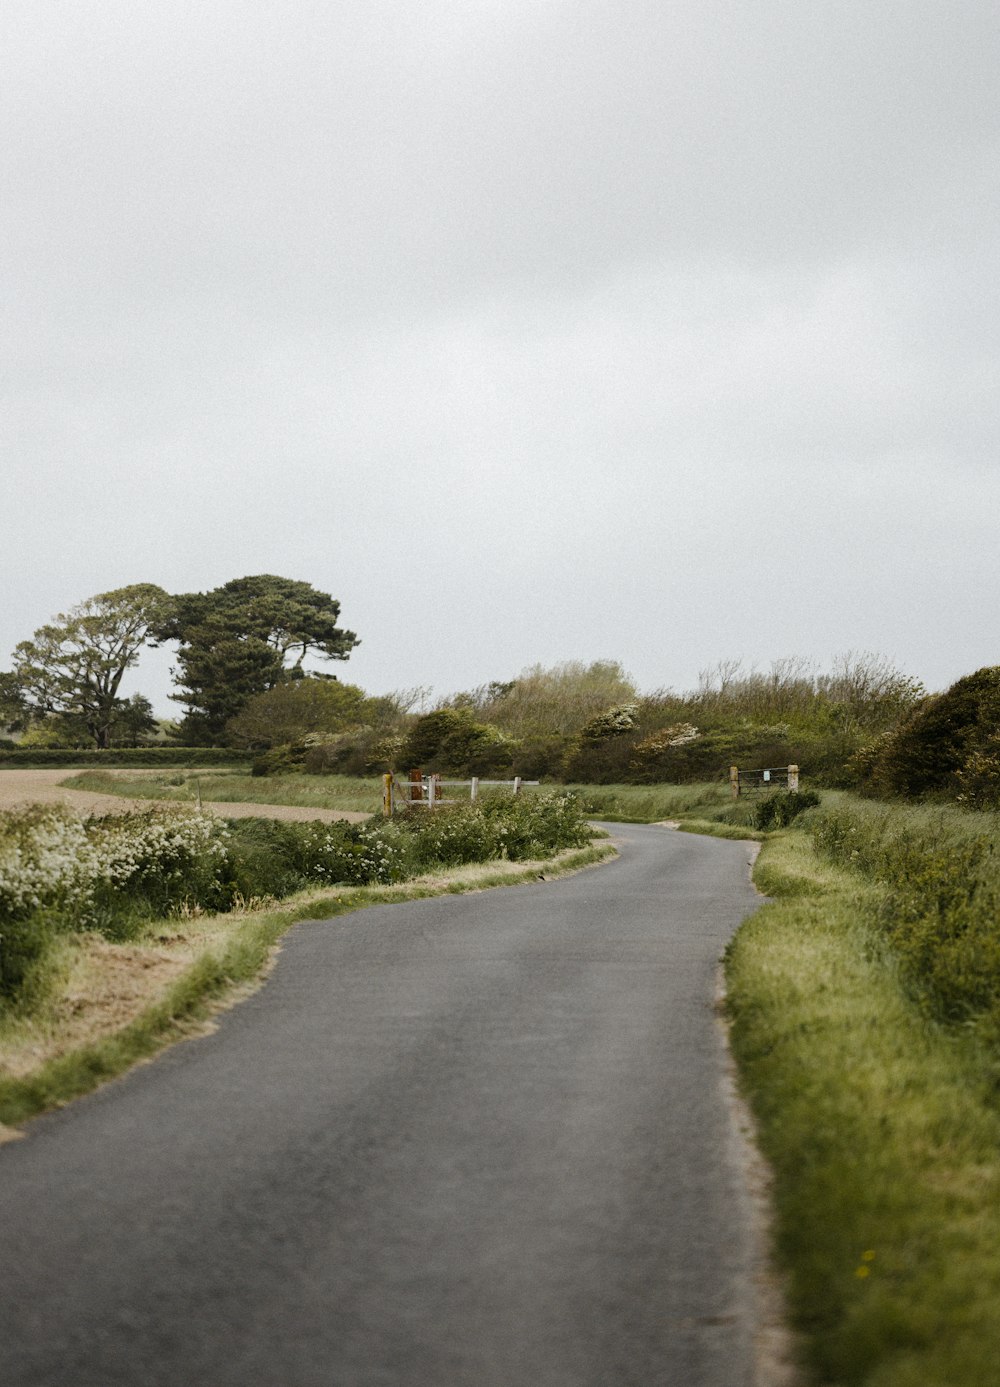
[[590, 723], [579, 722], [243, 683], [238, 640]]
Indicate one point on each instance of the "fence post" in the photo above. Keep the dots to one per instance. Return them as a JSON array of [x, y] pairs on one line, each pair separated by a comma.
[[474, 789], [432, 789], [734, 781], [387, 795], [517, 784], [416, 786], [793, 778]]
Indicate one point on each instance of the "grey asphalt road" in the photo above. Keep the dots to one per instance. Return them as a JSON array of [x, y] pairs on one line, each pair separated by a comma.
[[474, 1141]]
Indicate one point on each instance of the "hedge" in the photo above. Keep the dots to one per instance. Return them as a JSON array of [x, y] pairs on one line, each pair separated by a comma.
[[140, 756]]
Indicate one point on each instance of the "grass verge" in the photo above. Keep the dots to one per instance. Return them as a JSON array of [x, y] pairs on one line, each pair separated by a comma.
[[231, 951], [883, 1133]]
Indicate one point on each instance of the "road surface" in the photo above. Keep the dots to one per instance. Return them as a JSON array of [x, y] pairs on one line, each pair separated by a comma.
[[473, 1141]]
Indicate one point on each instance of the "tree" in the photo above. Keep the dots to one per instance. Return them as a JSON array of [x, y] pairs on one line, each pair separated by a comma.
[[242, 639], [294, 709], [134, 721], [75, 665], [14, 711]]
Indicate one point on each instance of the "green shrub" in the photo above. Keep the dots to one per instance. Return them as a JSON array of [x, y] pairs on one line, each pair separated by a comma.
[[949, 737], [778, 809], [59, 872], [452, 741]]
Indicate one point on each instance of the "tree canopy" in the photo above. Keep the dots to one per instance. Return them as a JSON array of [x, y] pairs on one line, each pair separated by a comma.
[[244, 638], [75, 665], [294, 709]]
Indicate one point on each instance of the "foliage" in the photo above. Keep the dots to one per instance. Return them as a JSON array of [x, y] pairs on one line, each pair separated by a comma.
[[940, 875], [46, 733], [947, 746], [792, 714], [243, 639], [777, 810], [14, 710], [615, 721], [554, 702], [59, 872], [75, 665], [293, 710], [978, 781], [451, 740], [134, 722]]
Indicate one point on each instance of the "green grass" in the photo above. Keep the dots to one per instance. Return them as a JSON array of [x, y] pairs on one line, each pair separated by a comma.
[[700, 805], [238, 787], [883, 1132], [652, 803], [616, 803], [239, 960]]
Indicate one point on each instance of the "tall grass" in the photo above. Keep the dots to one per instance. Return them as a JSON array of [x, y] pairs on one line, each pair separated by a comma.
[[881, 1126], [652, 803], [939, 871]]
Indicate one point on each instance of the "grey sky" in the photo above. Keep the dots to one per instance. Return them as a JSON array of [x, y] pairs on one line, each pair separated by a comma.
[[530, 329]]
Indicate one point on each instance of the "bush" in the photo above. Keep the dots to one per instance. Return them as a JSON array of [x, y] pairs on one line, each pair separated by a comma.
[[295, 708], [452, 741], [59, 872], [777, 810], [945, 747]]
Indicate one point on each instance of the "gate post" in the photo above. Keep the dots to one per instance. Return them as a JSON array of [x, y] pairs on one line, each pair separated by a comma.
[[793, 778], [387, 795], [734, 781], [416, 786]]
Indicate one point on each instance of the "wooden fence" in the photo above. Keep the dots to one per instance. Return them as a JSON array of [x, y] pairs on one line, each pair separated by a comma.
[[428, 790]]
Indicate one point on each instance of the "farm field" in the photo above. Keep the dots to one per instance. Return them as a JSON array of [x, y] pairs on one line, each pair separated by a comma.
[[101, 792], [634, 803]]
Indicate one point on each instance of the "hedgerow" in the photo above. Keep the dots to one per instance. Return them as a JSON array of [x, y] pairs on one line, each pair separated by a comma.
[[61, 873], [92, 759], [940, 907]]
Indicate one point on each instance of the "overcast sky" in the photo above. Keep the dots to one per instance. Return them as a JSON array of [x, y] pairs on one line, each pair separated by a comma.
[[531, 330]]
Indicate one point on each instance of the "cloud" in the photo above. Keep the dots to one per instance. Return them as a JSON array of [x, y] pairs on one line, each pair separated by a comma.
[[526, 328]]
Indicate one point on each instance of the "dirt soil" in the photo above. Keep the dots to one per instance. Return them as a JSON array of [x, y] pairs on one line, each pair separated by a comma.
[[42, 787]]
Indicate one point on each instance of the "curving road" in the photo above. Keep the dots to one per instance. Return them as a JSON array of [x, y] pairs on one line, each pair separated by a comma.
[[473, 1141]]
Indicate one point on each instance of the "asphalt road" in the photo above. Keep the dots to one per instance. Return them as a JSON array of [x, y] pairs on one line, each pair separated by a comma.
[[474, 1141]]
